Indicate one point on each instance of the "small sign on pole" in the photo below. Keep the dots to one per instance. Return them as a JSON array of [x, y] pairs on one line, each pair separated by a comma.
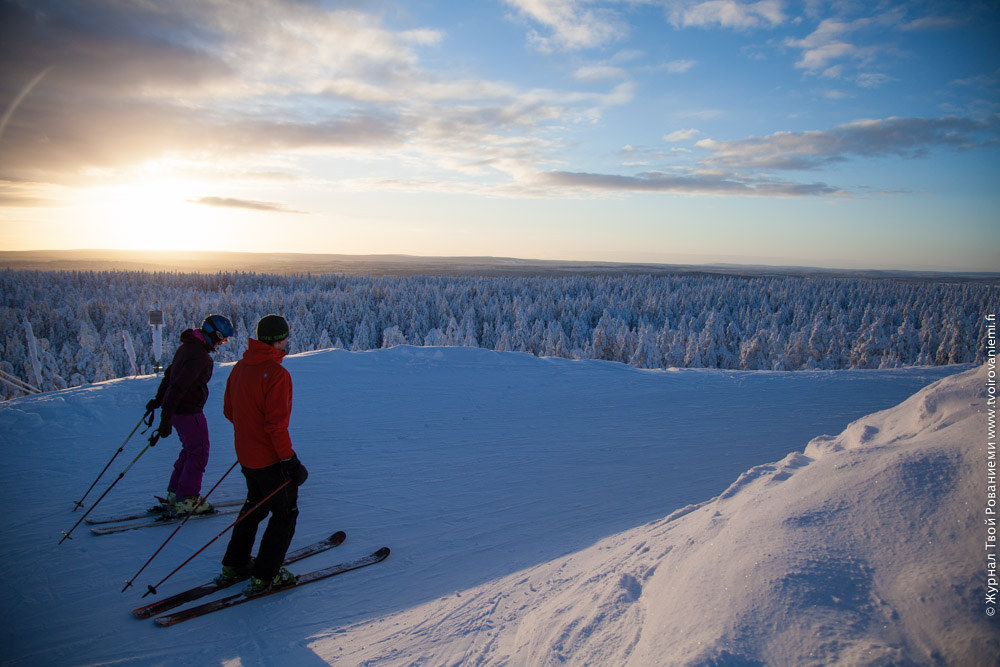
[[156, 322]]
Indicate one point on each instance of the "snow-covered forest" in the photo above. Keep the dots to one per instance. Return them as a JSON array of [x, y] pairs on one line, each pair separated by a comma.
[[85, 326]]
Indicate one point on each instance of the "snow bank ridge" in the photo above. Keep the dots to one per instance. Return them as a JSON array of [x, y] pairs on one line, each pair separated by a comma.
[[862, 550], [942, 404]]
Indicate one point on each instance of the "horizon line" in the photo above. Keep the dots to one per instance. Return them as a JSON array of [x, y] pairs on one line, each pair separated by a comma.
[[733, 263]]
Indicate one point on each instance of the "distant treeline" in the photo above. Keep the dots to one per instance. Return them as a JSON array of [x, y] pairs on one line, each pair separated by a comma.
[[80, 320]]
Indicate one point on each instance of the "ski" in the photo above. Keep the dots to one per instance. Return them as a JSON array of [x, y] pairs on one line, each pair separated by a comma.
[[301, 580], [192, 594], [225, 502], [161, 520], [152, 512]]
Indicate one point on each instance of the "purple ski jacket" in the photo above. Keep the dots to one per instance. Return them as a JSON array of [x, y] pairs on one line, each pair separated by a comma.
[[184, 388]]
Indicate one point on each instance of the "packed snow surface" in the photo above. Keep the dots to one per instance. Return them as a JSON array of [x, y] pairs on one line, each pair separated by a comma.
[[540, 512]]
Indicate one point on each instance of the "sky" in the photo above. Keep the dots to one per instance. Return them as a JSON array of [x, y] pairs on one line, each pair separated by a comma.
[[849, 134]]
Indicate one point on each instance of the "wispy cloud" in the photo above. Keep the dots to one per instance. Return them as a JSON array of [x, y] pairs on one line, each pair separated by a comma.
[[573, 24], [228, 202], [727, 14], [737, 168], [596, 73], [941, 22], [27, 194], [677, 66], [216, 81], [843, 41], [263, 83], [693, 183], [680, 135], [889, 137], [829, 44]]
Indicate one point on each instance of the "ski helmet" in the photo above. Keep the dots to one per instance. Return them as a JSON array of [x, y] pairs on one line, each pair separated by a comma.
[[218, 328]]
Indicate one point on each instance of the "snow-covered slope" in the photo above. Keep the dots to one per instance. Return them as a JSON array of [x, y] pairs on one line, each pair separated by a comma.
[[492, 476], [866, 549]]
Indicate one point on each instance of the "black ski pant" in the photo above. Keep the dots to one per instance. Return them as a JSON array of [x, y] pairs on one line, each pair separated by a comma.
[[283, 508]]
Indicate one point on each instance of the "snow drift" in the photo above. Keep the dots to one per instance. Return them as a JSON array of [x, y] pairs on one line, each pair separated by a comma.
[[867, 549], [539, 511]]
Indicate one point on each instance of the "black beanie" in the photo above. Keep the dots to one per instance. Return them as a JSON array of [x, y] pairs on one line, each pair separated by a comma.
[[272, 328]]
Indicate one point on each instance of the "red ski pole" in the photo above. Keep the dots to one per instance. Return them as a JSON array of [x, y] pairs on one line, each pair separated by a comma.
[[243, 515], [193, 511]]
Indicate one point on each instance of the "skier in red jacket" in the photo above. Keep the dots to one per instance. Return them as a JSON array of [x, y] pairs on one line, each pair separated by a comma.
[[258, 401]]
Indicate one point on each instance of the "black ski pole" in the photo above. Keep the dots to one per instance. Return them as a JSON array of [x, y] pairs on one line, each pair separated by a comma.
[[190, 514], [152, 442], [243, 515], [146, 419]]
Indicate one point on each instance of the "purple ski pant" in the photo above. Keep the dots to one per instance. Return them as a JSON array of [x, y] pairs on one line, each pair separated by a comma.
[[191, 462]]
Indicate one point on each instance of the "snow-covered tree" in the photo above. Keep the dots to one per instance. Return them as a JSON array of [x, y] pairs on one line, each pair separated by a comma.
[[392, 337], [673, 320]]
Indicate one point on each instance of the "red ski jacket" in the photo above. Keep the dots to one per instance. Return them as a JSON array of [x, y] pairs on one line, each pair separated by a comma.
[[258, 401]]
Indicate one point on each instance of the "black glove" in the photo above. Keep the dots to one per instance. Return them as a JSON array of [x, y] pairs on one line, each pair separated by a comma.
[[153, 405], [294, 470], [164, 429]]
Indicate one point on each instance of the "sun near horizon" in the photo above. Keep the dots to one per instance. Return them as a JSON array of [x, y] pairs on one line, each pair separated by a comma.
[[844, 135]]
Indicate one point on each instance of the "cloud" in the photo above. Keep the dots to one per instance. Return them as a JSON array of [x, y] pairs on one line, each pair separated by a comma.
[[890, 137], [633, 156], [30, 195], [227, 202], [678, 66], [107, 50], [680, 135], [839, 43], [131, 82], [827, 43], [738, 168], [834, 94], [262, 83], [592, 73], [932, 23], [693, 183], [573, 26], [727, 14], [258, 84], [699, 114], [872, 79], [115, 133], [671, 67]]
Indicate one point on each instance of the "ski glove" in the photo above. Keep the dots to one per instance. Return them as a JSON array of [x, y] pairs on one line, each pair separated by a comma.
[[153, 405], [294, 470], [165, 429]]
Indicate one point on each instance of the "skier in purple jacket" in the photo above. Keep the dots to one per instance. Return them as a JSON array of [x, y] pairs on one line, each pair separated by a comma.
[[182, 395]]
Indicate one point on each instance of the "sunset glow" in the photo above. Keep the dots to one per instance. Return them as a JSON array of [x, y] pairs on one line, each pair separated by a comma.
[[777, 132]]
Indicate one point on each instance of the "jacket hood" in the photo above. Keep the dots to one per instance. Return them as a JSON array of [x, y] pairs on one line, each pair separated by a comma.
[[196, 336], [259, 353]]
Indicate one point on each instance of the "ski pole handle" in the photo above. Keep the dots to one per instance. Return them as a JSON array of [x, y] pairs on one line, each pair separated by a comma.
[[146, 419], [66, 533]]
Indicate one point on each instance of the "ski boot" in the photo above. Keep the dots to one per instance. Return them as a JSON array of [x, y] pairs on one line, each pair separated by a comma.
[[257, 585], [230, 575], [191, 505]]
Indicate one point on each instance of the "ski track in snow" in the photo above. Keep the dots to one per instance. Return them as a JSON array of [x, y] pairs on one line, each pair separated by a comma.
[[490, 475]]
